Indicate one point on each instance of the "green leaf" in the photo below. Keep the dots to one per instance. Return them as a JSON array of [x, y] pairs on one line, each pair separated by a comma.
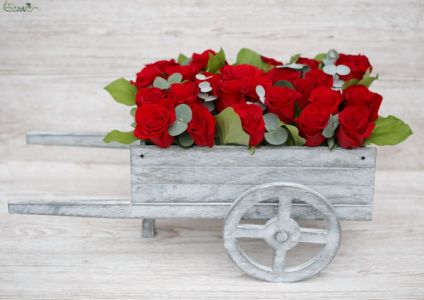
[[177, 128], [229, 128], [183, 113], [161, 83], [250, 57], [284, 83], [367, 80], [389, 131], [271, 121], [216, 61], [122, 91], [185, 140], [277, 136], [331, 143], [294, 58], [320, 57], [294, 138], [175, 78], [181, 59], [119, 137], [349, 83]]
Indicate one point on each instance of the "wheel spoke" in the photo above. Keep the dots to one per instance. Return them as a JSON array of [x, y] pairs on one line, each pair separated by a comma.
[[279, 260], [313, 235], [249, 231], [284, 211]]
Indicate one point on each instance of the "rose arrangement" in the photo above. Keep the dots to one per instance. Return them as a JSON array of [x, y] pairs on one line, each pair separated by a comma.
[[204, 101]]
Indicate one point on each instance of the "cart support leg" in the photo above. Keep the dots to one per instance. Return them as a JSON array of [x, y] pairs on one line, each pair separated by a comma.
[[148, 228]]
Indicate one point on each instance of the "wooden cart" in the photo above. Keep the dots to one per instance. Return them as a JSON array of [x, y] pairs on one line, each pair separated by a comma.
[[280, 184]]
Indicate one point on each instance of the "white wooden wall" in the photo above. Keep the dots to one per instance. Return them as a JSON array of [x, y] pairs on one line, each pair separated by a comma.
[[54, 63]]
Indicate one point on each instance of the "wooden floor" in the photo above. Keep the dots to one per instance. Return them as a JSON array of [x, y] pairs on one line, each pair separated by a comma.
[[54, 63]]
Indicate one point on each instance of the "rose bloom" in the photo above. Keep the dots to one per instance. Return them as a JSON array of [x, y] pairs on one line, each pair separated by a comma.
[[185, 92], [148, 96], [312, 80], [232, 92], [326, 98], [200, 60], [311, 122], [354, 127], [281, 101], [188, 72], [360, 95], [271, 61], [358, 65], [202, 126], [152, 122], [252, 121], [148, 74], [311, 63], [287, 74]]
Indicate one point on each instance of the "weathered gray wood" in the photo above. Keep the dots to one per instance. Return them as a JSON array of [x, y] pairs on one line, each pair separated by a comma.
[[89, 139], [148, 228], [229, 192], [281, 233], [237, 156], [127, 209]]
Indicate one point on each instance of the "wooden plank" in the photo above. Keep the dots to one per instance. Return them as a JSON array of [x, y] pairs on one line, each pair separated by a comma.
[[252, 175], [89, 139], [126, 209], [238, 156], [229, 192]]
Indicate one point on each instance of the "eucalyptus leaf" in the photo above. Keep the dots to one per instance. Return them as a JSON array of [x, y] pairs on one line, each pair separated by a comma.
[[161, 83], [209, 105], [284, 83], [177, 128], [389, 131], [330, 129], [342, 70], [202, 77], [294, 66], [216, 61], [185, 140], [330, 69], [271, 121], [175, 78], [205, 87], [206, 97], [260, 91], [183, 113], [229, 128], [119, 137], [122, 91], [331, 143], [277, 136], [132, 111]]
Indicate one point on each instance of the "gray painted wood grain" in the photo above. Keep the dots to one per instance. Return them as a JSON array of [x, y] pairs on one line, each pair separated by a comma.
[[127, 209]]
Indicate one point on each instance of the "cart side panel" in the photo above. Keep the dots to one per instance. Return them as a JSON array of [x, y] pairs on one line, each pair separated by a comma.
[[177, 175]]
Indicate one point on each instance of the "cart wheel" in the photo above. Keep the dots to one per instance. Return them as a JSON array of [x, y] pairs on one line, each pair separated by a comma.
[[281, 232]]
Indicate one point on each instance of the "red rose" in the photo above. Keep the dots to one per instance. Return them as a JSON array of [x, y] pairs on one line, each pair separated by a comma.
[[252, 121], [152, 122], [271, 61], [148, 96], [354, 127], [231, 93], [253, 82], [290, 75], [311, 122], [281, 101], [311, 63], [360, 95], [188, 72], [326, 98], [312, 80], [358, 65], [240, 72], [201, 60], [146, 76], [183, 93], [202, 126]]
